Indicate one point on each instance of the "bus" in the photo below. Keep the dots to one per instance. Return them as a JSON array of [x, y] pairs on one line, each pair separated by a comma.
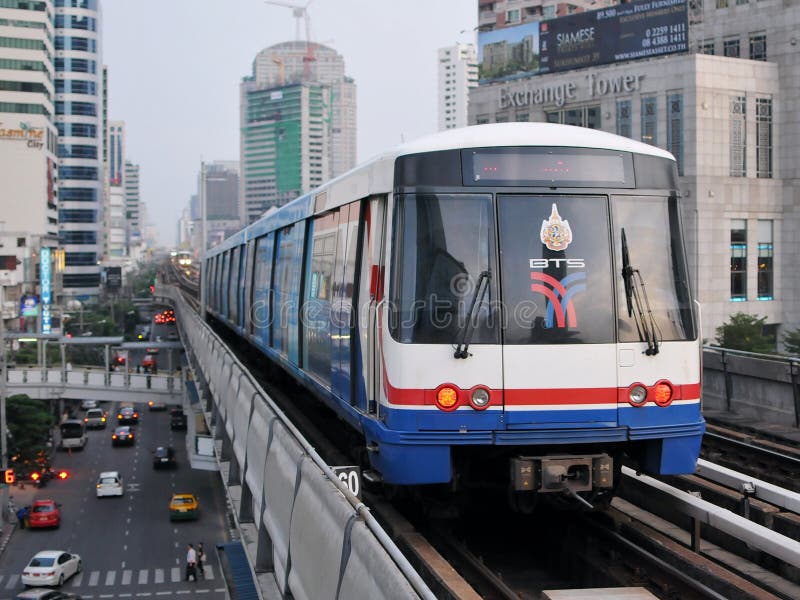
[[73, 434]]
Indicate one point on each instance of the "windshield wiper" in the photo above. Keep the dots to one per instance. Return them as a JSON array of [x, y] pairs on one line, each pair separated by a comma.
[[638, 302], [477, 299]]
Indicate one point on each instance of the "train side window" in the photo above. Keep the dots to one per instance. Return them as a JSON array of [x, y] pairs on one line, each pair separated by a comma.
[[247, 286], [286, 289], [261, 314], [226, 269], [316, 315], [233, 279]]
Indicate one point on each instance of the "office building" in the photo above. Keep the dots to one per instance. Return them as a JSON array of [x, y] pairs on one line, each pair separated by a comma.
[[458, 73], [133, 211], [28, 146], [298, 124], [726, 108], [115, 226], [79, 120]]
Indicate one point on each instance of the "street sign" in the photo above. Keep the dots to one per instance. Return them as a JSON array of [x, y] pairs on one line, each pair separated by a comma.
[[351, 477]]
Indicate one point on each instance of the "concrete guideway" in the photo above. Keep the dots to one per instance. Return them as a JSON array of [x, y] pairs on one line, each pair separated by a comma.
[[303, 531]]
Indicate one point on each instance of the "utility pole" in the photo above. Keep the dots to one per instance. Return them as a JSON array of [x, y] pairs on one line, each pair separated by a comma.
[[3, 424], [203, 235]]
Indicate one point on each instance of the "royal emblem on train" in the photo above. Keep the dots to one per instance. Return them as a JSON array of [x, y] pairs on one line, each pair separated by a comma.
[[555, 233]]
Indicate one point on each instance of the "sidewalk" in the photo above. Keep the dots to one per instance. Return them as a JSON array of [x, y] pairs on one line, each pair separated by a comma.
[[19, 497]]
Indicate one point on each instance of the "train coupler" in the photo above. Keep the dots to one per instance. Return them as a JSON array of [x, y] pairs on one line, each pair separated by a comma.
[[562, 473]]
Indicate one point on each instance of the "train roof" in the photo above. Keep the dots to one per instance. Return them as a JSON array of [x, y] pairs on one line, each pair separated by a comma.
[[375, 176], [527, 134]]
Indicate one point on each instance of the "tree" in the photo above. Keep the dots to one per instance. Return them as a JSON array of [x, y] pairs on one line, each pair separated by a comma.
[[792, 341], [29, 423], [745, 332]]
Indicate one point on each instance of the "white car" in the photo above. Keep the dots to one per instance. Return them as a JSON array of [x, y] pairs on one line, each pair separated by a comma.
[[51, 567], [110, 484], [87, 404]]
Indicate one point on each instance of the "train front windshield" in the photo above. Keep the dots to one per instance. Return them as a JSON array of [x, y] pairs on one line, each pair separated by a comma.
[[538, 268]]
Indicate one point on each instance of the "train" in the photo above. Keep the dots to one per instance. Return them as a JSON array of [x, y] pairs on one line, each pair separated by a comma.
[[504, 304]]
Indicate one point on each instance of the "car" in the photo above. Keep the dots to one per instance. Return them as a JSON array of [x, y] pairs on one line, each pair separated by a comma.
[[46, 594], [127, 415], [95, 418], [164, 458], [87, 404], [149, 361], [156, 405], [110, 483], [177, 419], [183, 507], [123, 436], [51, 567], [44, 513]]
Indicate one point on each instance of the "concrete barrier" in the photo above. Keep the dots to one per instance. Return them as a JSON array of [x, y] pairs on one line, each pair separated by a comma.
[[319, 531], [369, 571], [257, 443], [280, 478]]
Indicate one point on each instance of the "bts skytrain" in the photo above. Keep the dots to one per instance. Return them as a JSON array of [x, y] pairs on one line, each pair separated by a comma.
[[500, 304]]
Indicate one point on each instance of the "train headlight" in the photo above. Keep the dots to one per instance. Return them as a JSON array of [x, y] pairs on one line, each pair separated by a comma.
[[663, 393], [447, 397], [637, 395], [480, 398]]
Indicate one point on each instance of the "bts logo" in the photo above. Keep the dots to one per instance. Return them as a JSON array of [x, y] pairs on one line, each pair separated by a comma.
[[560, 307]]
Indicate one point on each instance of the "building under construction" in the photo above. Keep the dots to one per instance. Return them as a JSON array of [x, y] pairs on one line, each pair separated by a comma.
[[298, 124]]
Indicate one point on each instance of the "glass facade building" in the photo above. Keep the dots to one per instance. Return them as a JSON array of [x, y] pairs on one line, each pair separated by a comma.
[[79, 111]]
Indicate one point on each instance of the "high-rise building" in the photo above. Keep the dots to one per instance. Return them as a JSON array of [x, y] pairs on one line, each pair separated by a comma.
[[132, 209], [458, 73], [28, 145], [115, 226], [298, 124], [79, 119]]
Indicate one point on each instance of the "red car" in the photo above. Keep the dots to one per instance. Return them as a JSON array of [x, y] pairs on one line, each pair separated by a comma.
[[44, 513]]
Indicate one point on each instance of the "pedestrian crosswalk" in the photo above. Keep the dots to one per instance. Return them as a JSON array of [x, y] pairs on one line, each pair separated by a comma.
[[120, 577]]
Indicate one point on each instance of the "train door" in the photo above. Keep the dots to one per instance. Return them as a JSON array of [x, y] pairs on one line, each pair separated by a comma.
[[559, 350], [367, 361], [345, 349]]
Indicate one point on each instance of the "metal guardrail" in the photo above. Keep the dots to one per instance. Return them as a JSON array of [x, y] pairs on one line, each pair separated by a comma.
[[752, 487], [701, 511]]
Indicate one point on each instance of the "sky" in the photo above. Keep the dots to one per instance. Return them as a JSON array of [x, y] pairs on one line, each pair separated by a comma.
[[174, 68]]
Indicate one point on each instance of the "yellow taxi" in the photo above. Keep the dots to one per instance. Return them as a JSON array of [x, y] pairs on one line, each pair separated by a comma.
[[183, 507]]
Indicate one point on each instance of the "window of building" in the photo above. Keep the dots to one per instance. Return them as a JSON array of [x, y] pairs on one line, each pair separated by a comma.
[[79, 280], [730, 47], [675, 128], [765, 253], [722, 3], [512, 16], [77, 194], [501, 118], [481, 120], [624, 118], [582, 116], [764, 137], [706, 47], [649, 120], [78, 237], [758, 46], [523, 116], [738, 137], [738, 260]]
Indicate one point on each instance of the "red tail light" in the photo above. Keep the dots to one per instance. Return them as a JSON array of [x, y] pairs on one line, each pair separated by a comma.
[[35, 476], [113, 437], [663, 393]]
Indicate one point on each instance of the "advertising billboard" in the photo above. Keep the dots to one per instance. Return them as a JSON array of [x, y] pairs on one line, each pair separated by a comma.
[[45, 283], [631, 31], [113, 278]]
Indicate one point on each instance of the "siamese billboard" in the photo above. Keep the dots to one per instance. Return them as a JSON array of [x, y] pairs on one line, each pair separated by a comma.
[[624, 32]]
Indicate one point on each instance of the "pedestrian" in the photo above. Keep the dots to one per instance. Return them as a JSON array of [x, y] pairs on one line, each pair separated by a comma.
[[22, 516], [191, 563], [201, 557]]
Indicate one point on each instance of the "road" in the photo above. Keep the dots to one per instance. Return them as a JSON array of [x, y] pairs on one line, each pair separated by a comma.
[[128, 545]]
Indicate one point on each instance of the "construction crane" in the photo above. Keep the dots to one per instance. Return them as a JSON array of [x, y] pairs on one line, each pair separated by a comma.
[[300, 11]]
